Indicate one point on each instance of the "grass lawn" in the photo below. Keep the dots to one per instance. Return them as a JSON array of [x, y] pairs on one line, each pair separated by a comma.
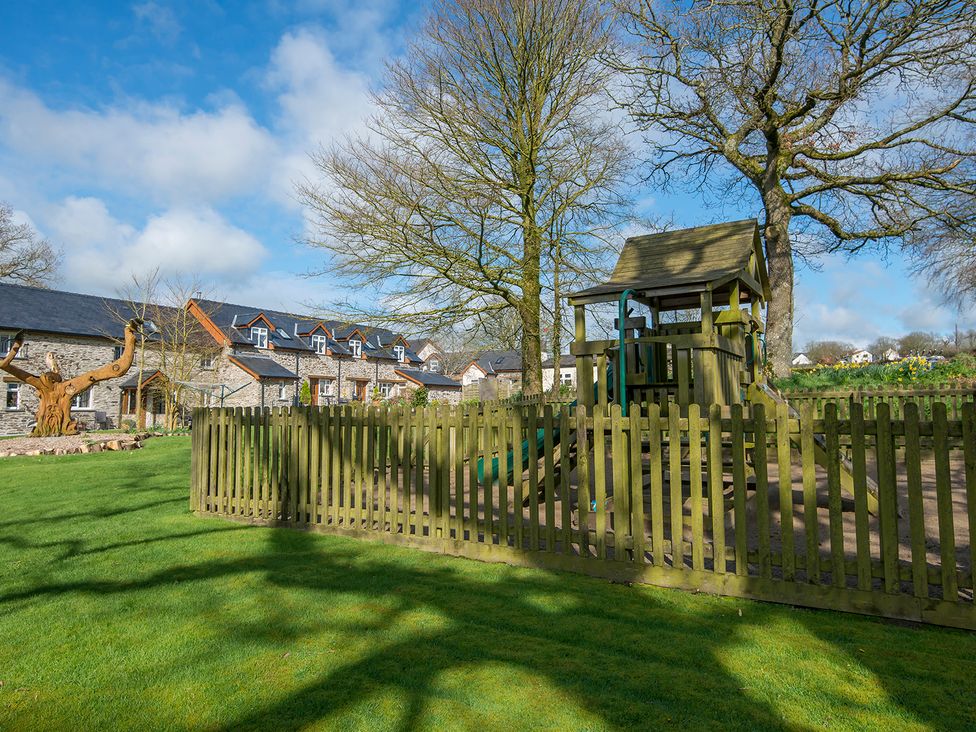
[[118, 609]]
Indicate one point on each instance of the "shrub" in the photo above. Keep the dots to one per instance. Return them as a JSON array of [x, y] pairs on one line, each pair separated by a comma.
[[420, 397], [305, 394]]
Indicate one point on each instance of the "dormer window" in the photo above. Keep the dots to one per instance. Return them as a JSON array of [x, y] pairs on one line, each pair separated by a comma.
[[318, 343], [356, 347], [400, 352], [434, 365], [259, 336]]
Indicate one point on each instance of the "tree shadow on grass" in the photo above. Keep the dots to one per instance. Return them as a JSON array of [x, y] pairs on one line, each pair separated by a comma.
[[442, 636]]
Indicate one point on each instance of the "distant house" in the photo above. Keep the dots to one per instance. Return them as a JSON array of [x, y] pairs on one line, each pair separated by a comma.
[[439, 387], [860, 356], [801, 359], [501, 365], [429, 353], [566, 374], [269, 354], [889, 355]]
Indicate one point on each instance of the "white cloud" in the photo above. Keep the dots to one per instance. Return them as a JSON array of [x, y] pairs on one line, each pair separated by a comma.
[[277, 290], [173, 156], [101, 252], [319, 102], [160, 20]]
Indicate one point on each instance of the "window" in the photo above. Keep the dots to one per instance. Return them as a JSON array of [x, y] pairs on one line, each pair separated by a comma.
[[566, 377], [326, 388], [117, 353], [207, 362], [82, 400], [13, 396], [283, 392], [386, 388], [434, 365], [400, 352], [318, 343], [356, 347], [7, 342], [259, 336]]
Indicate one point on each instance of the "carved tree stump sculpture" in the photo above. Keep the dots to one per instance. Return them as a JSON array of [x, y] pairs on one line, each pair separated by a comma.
[[56, 393]]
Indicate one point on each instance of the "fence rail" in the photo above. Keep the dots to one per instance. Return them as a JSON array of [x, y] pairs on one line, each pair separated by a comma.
[[953, 396], [726, 502]]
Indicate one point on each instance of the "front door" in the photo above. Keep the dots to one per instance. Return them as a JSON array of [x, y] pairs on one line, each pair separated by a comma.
[[361, 390]]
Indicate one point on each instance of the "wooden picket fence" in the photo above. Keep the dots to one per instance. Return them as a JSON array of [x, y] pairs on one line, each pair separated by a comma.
[[728, 501], [954, 396]]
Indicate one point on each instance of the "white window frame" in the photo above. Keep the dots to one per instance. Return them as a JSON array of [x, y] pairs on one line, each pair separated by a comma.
[[386, 389], [319, 343], [117, 352], [7, 342], [207, 363], [400, 352], [82, 400], [260, 336], [356, 347], [283, 391], [566, 378], [13, 387], [329, 391], [434, 365]]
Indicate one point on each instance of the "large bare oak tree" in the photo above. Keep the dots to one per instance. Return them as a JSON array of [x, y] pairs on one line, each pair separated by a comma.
[[850, 121], [492, 133]]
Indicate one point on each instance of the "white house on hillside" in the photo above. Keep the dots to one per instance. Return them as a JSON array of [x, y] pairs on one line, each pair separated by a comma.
[[860, 356], [801, 359]]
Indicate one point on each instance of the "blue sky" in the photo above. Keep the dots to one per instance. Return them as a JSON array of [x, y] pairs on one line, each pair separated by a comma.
[[172, 133]]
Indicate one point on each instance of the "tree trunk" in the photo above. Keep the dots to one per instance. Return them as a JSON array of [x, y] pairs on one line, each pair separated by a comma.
[[53, 416], [557, 320], [779, 261], [530, 313]]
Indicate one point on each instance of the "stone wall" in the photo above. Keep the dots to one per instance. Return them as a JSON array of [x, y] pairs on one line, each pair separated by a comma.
[[308, 366], [75, 355]]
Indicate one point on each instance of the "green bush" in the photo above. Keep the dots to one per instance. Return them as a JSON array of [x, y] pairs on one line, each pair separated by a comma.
[[420, 398], [305, 394]]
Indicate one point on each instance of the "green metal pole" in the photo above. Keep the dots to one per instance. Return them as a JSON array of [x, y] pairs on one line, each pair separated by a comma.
[[622, 358]]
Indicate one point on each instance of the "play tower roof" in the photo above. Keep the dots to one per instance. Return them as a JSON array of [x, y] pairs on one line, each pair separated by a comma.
[[673, 267]]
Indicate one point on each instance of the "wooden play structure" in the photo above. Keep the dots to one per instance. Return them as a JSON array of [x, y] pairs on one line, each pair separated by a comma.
[[704, 289], [701, 343]]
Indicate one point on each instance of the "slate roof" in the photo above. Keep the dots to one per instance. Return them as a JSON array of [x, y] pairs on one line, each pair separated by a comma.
[[36, 309], [263, 366], [565, 361], [687, 258], [429, 379], [289, 330], [496, 362], [133, 381]]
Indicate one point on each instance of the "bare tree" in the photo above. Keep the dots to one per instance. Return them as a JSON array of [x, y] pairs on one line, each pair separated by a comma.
[[494, 127], [852, 119], [136, 298], [180, 343], [828, 352], [24, 257]]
